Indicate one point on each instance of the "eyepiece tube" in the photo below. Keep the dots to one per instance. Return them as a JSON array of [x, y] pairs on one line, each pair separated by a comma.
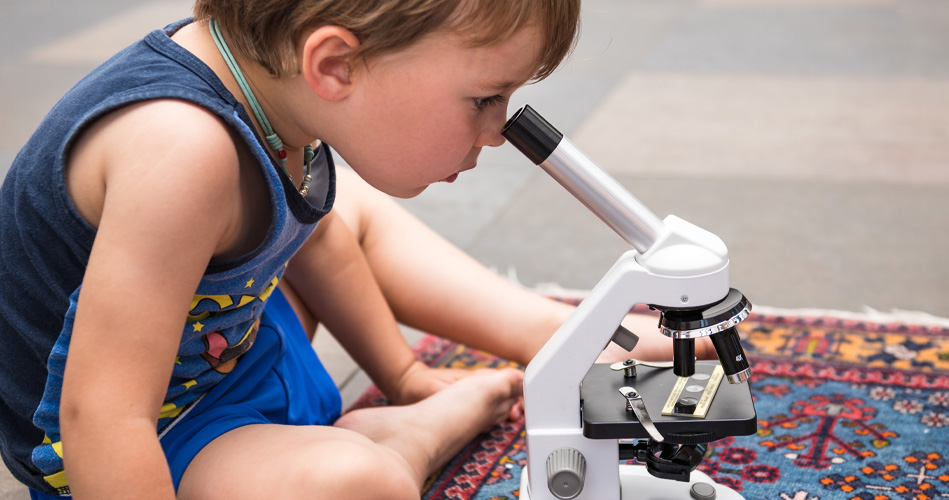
[[598, 191]]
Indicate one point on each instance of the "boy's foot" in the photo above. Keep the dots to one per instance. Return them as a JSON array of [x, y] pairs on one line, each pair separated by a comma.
[[428, 433]]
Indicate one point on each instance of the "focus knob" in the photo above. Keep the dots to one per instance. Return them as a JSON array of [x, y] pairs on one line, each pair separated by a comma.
[[566, 468]]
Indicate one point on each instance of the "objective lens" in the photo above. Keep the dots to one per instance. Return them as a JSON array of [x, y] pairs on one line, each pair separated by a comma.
[[683, 357], [731, 356]]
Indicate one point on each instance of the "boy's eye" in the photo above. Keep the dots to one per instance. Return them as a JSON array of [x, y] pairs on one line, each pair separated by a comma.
[[482, 103]]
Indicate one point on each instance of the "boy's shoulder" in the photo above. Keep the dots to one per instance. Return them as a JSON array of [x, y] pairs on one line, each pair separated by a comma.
[[175, 147], [161, 131]]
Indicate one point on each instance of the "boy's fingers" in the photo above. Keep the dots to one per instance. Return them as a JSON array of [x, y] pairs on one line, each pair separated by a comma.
[[517, 411]]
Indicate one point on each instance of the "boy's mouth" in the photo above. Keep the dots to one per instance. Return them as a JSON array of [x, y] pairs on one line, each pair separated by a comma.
[[453, 177]]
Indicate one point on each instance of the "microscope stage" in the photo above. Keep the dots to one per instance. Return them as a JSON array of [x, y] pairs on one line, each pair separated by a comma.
[[732, 412]]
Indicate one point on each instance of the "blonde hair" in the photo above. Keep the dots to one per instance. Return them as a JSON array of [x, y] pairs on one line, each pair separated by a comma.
[[266, 31]]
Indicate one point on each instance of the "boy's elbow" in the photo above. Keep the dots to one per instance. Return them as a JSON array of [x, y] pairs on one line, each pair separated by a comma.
[[73, 409], [79, 417], [83, 415]]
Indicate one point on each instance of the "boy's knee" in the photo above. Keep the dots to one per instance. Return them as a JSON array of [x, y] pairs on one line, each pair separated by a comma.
[[363, 469]]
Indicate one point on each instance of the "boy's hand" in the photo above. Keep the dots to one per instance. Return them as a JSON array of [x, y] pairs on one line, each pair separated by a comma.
[[652, 346], [420, 381]]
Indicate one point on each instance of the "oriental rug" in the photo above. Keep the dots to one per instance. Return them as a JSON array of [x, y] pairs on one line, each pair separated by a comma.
[[847, 409]]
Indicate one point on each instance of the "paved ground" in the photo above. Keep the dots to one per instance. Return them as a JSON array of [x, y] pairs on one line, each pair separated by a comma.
[[812, 136]]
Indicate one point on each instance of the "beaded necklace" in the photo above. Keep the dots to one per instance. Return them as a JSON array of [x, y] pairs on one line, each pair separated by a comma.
[[272, 138]]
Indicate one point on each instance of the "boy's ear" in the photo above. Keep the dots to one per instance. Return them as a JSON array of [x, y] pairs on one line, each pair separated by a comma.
[[325, 61]]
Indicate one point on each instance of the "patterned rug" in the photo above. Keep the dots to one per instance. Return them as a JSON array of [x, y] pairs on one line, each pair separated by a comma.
[[847, 408]]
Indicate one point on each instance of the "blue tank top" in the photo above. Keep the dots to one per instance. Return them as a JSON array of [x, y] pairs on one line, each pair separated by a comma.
[[45, 245]]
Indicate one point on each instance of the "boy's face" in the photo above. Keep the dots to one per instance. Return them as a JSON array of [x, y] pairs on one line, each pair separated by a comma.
[[422, 115]]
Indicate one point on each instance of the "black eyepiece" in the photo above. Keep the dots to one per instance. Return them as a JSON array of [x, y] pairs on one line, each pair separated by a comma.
[[531, 134]]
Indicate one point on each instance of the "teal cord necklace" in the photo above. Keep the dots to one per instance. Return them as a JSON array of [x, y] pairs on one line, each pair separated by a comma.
[[272, 138]]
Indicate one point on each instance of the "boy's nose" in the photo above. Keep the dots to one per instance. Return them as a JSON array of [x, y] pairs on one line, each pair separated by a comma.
[[491, 132], [491, 138]]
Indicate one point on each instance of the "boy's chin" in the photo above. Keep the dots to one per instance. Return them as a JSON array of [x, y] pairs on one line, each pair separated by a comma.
[[405, 193], [394, 189]]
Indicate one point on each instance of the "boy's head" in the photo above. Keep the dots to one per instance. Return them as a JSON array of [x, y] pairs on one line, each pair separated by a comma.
[[267, 31], [408, 92]]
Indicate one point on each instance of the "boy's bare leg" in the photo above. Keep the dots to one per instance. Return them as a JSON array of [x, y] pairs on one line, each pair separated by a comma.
[[384, 452], [435, 287]]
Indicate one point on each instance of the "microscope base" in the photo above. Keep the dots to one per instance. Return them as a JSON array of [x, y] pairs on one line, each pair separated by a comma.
[[637, 484]]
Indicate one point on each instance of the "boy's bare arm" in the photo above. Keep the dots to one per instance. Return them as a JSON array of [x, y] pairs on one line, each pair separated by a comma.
[[164, 168], [332, 277]]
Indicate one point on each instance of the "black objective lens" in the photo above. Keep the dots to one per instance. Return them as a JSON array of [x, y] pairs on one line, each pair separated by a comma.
[[683, 357], [731, 356]]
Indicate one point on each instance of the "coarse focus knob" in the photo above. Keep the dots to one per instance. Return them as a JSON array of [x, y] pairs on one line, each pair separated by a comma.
[[566, 468]]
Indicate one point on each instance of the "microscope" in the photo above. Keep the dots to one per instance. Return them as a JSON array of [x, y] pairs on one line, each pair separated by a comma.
[[633, 429]]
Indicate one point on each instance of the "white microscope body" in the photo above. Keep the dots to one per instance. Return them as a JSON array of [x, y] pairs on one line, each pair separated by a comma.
[[674, 265]]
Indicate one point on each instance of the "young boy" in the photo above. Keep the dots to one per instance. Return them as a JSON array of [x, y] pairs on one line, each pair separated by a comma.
[[161, 265]]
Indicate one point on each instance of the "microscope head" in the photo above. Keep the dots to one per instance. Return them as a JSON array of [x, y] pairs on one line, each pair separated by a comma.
[[718, 321]]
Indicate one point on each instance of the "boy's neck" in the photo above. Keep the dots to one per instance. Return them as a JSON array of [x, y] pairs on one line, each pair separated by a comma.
[[274, 95]]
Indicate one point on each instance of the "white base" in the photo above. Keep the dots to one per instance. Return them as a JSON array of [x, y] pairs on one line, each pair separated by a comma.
[[637, 484]]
